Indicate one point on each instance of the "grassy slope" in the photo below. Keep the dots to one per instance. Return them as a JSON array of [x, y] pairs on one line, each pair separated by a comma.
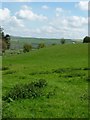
[[67, 100]]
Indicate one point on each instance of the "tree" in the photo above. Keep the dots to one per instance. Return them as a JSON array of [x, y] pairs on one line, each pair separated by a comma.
[[62, 41], [27, 47], [7, 40], [4, 46], [1, 32], [41, 45], [86, 39], [0, 45], [4, 40]]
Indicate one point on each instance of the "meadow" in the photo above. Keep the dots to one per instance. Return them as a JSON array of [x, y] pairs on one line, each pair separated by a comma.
[[59, 76]]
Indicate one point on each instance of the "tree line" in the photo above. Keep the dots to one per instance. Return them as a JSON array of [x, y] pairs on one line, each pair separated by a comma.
[[4, 40]]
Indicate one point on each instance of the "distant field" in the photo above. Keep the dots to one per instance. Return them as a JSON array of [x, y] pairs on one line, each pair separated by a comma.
[[18, 42], [63, 67]]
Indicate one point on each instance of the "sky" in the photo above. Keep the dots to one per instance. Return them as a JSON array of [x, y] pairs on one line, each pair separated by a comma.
[[45, 19], [42, 0]]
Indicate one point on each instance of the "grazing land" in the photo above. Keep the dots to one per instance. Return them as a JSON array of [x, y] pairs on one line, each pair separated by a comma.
[[58, 77]]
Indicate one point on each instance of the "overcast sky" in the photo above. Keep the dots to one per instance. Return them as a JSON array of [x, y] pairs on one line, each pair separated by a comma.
[[45, 19]]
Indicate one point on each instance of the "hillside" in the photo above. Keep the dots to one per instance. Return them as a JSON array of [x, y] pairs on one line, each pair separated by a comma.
[[63, 67], [17, 42]]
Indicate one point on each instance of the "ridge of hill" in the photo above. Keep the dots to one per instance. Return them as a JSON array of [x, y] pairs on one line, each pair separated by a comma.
[[18, 42]]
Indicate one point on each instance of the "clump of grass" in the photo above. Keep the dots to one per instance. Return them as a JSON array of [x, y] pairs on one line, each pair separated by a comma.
[[31, 90], [33, 73], [74, 75], [58, 70], [85, 96], [44, 72], [5, 68], [22, 77], [62, 70], [86, 68], [88, 79], [50, 94], [68, 76], [41, 72], [10, 72], [6, 112]]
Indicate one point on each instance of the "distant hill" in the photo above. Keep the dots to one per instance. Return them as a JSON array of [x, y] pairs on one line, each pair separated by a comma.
[[18, 42]]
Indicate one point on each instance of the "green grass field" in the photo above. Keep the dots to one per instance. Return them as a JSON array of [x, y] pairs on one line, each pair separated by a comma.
[[63, 67]]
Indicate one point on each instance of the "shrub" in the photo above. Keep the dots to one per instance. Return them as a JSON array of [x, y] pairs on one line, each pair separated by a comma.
[[31, 90], [62, 41], [53, 44], [5, 67], [27, 47], [41, 45]]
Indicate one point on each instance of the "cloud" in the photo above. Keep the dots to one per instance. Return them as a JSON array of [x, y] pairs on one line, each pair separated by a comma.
[[16, 22], [17, 0], [78, 21], [61, 12], [5, 17], [62, 27], [26, 22], [83, 5], [59, 9], [10, 22], [4, 14], [45, 7], [28, 14], [68, 27]]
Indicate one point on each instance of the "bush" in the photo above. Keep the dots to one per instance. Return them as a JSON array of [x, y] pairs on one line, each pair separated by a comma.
[[86, 39], [31, 90], [27, 47], [53, 44], [41, 45], [62, 41]]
